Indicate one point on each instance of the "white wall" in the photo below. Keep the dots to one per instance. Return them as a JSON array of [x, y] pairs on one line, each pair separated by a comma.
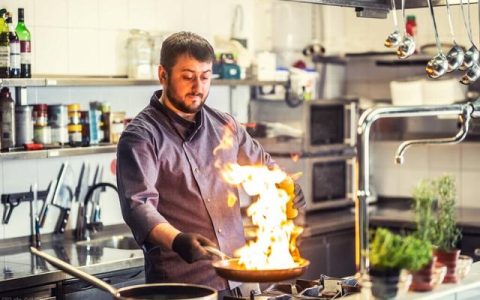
[[421, 162], [78, 37]]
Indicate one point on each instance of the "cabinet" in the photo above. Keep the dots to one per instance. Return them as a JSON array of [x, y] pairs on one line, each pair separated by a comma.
[[332, 254], [38, 292]]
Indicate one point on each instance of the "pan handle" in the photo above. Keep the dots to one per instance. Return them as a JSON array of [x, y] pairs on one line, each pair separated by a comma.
[[76, 272], [217, 252]]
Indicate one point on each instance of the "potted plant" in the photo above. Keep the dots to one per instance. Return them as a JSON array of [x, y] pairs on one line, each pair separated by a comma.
[[423, 206], [389, 253], [446, 233]]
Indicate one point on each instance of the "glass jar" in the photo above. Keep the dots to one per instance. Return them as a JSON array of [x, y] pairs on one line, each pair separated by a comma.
[[73, 114], [75, 135], [40, 115], [139, 53]]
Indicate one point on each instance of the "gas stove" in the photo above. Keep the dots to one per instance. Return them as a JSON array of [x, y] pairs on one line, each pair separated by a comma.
[[325, 288]]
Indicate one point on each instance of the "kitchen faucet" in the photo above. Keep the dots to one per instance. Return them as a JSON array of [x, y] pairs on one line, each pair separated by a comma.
[[95, 224], [466, 111]]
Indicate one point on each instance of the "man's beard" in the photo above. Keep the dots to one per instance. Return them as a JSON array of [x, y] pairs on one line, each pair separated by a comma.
[[180, 105]]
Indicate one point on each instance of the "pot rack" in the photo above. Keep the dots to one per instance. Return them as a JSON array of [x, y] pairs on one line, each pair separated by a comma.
[[377, 8]]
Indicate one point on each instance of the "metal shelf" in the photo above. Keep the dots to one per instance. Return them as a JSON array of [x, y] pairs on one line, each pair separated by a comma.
[[115, 81], [58, 152]]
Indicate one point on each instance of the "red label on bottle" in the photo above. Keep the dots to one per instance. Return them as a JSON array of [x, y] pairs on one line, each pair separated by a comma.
[[25, 46]]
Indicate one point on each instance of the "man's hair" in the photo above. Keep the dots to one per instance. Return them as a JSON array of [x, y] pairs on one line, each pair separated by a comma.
[[185, 43]]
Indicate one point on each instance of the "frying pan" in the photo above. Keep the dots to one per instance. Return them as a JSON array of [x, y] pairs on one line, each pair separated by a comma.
[[230, 269], [142, 291]]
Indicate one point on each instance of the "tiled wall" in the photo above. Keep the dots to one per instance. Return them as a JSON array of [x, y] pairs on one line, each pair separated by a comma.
[[421, 162]]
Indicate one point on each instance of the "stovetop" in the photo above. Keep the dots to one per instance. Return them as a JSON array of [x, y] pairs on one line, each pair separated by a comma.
[[325, 288]]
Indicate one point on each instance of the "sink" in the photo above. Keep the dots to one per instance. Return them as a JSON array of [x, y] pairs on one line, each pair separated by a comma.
[[115, 242]]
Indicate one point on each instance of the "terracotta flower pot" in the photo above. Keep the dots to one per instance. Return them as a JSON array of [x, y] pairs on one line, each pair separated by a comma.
[[384, 282], [422, 280], [449, 259]]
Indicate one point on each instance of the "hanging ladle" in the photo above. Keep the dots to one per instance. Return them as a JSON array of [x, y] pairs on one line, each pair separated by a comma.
[[456, 55], [407, 47], [438, 65], [393, 39], [471, 56]]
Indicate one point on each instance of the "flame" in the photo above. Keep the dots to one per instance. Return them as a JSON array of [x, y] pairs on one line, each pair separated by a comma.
[[276, 234], [295, 156], [272, 211]]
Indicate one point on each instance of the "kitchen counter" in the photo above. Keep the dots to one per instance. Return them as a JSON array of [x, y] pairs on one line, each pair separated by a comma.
[[382, 215], [468, 288], [22, 269]]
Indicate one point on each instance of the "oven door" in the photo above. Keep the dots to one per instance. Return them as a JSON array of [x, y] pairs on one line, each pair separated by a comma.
[[327, 181], [331, 125]]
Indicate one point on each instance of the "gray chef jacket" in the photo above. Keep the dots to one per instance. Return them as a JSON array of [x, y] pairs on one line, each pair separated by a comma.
[[166, 173]]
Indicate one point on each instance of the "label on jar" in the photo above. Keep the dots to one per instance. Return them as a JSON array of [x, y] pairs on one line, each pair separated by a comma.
[[42, 134], [59, 135], [75, 137]]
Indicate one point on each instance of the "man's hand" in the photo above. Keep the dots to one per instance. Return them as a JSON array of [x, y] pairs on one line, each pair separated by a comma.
[[190, 246], [299, 199]]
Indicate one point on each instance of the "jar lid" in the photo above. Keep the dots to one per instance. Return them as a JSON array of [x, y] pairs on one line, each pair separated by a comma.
[[74, 106], [41, 106]]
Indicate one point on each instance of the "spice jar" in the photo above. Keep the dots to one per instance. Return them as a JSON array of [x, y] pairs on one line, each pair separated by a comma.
[[75, 135], [40, 115], [74, 114], [85, 122], [58, 121]]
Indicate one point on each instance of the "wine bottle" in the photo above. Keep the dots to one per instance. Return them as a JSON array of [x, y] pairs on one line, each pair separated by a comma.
[[4, 46], [14, 49], [25, 46]]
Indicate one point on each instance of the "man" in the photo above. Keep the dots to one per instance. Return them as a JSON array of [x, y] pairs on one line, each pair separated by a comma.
[[172, 195]]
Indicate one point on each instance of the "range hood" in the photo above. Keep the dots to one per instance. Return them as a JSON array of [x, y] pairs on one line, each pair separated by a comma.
[[378, 8]]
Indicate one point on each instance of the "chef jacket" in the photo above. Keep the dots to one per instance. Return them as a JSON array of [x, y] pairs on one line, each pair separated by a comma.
[[167, 172]]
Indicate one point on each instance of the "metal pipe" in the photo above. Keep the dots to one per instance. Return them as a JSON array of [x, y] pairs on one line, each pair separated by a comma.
[[365, 123], [460, 136]]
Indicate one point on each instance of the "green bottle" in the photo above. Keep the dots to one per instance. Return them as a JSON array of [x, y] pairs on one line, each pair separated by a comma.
[[25, 46], [4, 46]]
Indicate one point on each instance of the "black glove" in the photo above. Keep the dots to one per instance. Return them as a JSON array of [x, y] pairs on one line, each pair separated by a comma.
[[299, 200], [190, 246]]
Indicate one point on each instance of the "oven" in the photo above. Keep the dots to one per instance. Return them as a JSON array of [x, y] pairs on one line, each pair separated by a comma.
[[327, 181], [314, 126]]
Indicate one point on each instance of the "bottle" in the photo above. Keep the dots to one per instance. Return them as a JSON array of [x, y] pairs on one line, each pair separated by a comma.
[[14, 49], [4, 46], [25, 46], [7, 119]]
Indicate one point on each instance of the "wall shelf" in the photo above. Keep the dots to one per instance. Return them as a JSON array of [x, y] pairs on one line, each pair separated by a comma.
[[57, 152], [116, 81]]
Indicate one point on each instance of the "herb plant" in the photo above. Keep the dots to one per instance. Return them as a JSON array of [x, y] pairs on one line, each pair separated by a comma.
[[393, 251], [424, 199], [446, 232]]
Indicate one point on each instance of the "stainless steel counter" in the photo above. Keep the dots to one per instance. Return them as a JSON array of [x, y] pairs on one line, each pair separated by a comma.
[[22, 269]]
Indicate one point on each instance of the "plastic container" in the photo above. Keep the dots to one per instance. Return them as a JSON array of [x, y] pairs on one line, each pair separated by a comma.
[[139, 54]]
